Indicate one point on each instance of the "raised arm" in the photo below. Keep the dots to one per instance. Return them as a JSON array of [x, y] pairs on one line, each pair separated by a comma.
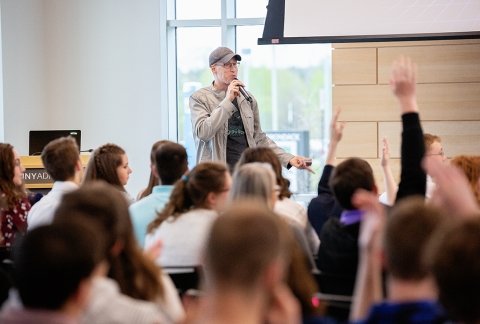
[[325, 205], [403, 83], [368, 284], [388, 178], [336, 133]]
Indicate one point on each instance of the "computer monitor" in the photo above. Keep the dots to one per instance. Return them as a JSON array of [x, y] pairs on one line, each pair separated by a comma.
[[39, 138]]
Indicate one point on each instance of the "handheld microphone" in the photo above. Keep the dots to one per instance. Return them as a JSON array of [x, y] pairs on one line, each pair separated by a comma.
[[244, 93]]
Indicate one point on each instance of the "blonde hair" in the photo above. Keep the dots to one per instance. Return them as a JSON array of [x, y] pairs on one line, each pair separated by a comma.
[[254, 180]]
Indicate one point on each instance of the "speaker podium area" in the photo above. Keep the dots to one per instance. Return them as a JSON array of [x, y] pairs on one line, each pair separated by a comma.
[[35, 177]]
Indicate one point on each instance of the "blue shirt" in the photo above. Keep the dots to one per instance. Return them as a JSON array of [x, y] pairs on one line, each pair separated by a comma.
[[145, 210], [410, 312]]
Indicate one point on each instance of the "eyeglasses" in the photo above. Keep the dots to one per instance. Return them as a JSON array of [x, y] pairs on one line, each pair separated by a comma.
[[441, 153], [234, 65]]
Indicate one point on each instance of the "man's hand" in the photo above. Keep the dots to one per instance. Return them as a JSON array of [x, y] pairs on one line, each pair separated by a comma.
[[233, 89], [403, 84], [300, 163]]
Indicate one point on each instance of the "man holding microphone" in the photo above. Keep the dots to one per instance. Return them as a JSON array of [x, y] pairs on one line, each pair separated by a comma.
[[225, 118]]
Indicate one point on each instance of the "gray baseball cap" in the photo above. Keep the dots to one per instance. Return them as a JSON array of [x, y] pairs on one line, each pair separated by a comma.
[[222, 55]]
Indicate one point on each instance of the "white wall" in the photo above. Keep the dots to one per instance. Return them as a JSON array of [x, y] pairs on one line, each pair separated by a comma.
[[98, 71], [23, 70]]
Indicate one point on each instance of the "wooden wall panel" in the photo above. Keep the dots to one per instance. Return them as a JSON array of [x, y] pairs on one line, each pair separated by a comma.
[[445, 101], [365, 103], [359, 139], [461, 137], [356, 66], [442, 63], [448, 94]]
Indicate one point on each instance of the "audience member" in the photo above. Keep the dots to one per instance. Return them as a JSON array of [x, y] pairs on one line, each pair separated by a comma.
[[284, 206], [411, 291], [54, 284], [193, 206], [338, 252], [61, 159], [109, 163], [245, 269], [324, 206], [456, 268], [170, 164], [152, 294], [256, 181], [433, 149], [14, 203], [461, 201], [153, 179], [470, 165]]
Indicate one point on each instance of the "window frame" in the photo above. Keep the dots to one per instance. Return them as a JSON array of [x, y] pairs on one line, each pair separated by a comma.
[[168, 52]]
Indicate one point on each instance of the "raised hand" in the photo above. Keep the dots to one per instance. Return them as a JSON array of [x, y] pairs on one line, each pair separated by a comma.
[[385, 160], [452, 192], [336, 127], [403, 84]]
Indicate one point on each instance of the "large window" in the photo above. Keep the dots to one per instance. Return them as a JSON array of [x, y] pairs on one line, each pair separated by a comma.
[[290, 82]]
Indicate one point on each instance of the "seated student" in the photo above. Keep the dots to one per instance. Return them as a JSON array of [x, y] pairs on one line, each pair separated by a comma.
[[109, 163], [284, 206], [14, 203], [61, 159], [256, 180], [54, 284], [411, 290], [433, 150], [456, 268], [138, 289], [153, 179], [245, 269], [470, 165], [170, 164], [338, 252], [193, 206]]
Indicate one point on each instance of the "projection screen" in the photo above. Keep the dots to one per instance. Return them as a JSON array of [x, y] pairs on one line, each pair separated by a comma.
[[337, 21]]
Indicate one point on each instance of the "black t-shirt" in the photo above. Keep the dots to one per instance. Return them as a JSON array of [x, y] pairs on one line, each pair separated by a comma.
[[236, 138]]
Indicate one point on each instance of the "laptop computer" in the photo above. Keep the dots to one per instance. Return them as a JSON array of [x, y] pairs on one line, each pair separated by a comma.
[[37, 139]]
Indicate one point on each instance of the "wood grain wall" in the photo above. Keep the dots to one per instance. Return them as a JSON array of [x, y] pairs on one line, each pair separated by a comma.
[[448, 95]]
